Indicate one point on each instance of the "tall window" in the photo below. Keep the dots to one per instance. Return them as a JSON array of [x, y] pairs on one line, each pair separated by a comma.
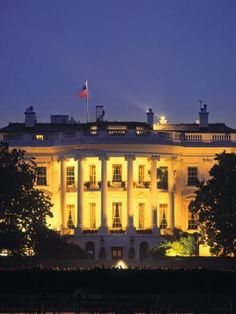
[[162, 178], [70, 209], [70, 175], [141, 215], [163, 216], [41, 178], [192, 175], [92, 174], [141, 174], [116, 216], [116, 173], [192, 221], [92, 215]]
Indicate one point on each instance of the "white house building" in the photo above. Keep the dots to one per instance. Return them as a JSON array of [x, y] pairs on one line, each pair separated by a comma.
[[120, 186]]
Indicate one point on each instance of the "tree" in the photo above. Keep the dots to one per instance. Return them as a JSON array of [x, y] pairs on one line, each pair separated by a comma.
[[23, 209], [179, 244], [215, 205]]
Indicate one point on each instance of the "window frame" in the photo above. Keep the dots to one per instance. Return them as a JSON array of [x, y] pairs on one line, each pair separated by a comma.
[[141, 215], [92, 174], [162, 178], [116, 176], [192, 223], [116, 220], [70, 211], [41, 178], [70, 176], [141, 174], [192, 178], [163, 214]]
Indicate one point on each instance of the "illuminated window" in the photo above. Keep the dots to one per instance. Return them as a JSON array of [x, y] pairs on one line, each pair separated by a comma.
[[192, 221], [70, 175], [39, 137], [163, 215], [192, 175], [141, 176], [92, 215], [41, 178], [141, 215], [70, 216], [94, 130], [116, 173], [116, 216], [117, 252], [92, 174], [162, 177]]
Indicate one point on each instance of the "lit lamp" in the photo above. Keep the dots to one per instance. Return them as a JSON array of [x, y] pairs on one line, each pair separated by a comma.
[[163, 120], [121, 264]]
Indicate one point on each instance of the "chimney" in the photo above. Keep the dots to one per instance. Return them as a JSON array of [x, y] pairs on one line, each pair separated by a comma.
[[203, 117], [150, 115], [30, 117]]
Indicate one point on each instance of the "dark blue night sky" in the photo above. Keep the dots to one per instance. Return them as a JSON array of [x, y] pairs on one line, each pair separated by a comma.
[[164, 54]]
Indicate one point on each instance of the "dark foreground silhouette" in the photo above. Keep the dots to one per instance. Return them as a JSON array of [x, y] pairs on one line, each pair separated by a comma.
[[118, 290]]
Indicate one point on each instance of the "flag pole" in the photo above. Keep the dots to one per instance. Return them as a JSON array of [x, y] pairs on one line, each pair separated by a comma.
[[86, 83]]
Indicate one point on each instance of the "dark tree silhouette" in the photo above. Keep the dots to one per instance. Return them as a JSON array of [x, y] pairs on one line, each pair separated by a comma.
[[215, 204], [23, 209]]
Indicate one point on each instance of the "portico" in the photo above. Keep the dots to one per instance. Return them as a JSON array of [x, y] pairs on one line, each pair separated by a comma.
[[125, 188]]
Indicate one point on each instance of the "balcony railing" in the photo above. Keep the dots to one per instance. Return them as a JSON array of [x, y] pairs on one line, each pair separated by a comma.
[[71, 187], [144, 231], [142, 185], [119, 135], [117, 185], [92, 185], [116, 230], [90, 230]]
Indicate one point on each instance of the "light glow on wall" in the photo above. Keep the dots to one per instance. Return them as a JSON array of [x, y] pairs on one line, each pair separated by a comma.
[[121, 264]]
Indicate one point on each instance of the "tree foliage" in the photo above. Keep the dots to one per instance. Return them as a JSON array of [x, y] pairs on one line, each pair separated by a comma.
[[179, 244], [23, 209], [215, 204]]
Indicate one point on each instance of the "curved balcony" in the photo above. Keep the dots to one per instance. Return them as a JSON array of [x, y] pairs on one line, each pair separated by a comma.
[[120, 185]]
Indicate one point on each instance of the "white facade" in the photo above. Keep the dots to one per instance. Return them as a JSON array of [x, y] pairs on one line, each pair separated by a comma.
[[120, 187]]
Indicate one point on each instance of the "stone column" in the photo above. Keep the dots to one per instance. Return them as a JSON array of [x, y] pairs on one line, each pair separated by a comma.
[[130, 210], [104, 225], [153, 187], [80, 193], [62, 191], [171, 191]]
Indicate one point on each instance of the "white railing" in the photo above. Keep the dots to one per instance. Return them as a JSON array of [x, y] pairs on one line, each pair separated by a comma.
[[127, 136]]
